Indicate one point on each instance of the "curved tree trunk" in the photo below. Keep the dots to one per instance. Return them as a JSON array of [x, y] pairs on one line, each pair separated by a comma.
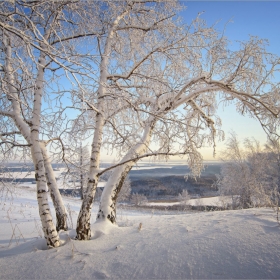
[[107, 207], [32, 137], [60, 211]]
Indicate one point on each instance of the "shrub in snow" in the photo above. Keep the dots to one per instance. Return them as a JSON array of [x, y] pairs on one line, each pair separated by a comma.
[[184, 197], [138, 199], [245, 175]]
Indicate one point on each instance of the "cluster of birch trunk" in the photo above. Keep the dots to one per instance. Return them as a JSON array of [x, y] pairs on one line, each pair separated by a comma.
[[130, 76]]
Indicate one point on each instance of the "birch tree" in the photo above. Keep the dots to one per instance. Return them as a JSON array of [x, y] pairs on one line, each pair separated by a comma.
[[37, 41], [243, 77], [31, 134], [132, 34]]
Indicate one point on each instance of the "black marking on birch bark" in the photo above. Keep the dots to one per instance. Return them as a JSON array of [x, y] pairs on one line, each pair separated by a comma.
[[41, 191], [114, 197], [83, 228]]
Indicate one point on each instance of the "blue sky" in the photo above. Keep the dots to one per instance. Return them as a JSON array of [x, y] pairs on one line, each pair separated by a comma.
[[258, 18]]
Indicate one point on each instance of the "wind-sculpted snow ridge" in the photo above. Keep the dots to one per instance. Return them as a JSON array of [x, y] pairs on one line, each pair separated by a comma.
[[204, 245]]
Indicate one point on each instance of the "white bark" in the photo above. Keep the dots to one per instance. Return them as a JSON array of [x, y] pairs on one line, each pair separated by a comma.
[[83, 222], [107, 207], [32, 137], [49, 229], [60, 211], [48, 226]]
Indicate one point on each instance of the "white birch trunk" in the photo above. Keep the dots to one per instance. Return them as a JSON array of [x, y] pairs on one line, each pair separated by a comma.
[[107, 207], [49, 229], [48, 226], [32, 137], [83, 223], [60, 211]]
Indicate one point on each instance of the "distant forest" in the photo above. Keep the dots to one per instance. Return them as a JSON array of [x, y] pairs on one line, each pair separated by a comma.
[[158, 182]]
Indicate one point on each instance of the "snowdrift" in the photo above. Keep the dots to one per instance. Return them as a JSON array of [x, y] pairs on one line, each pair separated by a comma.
[[213, 245]]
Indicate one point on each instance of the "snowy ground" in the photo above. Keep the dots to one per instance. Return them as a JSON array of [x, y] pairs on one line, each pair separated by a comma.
[[209, 201], [197, 245]]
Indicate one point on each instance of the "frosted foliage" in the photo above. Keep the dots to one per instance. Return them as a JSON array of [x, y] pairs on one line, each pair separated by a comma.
[[273, 170], [245, 175], [138, 199], [161, 90], [184, 197]]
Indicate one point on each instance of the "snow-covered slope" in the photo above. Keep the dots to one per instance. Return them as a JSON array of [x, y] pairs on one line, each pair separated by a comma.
[[227, 244]]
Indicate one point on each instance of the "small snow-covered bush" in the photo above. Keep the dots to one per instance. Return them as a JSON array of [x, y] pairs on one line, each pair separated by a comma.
[[184, 197], [138, 199], [245, 174]]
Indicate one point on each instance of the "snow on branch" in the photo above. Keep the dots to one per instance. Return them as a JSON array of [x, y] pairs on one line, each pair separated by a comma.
[[9, 133], [136, 158]]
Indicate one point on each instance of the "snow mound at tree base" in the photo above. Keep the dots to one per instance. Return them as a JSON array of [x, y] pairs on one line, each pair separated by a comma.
[[100, 228]]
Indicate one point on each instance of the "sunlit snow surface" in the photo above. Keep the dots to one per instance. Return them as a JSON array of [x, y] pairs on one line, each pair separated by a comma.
[[197, 245], [209, 201]]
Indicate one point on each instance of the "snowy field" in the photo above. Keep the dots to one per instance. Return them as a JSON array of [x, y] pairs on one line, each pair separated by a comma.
[[209, 201], [199, 245]]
